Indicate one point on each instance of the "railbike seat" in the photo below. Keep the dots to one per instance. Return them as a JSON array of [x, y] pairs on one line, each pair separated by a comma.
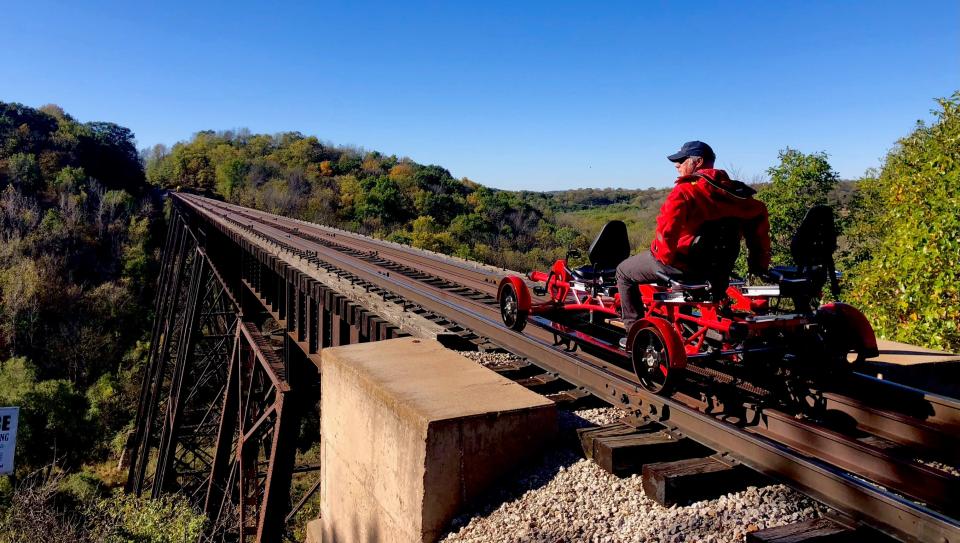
[[608, 250], [816, 238], [711, 260], [590, 274], [812, 248]]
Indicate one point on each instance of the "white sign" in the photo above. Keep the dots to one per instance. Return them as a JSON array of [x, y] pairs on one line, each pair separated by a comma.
[[8, 437]]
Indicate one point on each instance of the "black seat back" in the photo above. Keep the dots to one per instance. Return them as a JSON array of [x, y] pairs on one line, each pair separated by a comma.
[[813, 246], [816, 239], [611, 246], [713, 254]]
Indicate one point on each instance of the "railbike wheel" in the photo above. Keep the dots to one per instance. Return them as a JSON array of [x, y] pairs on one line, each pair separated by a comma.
[[839, 342], [651, 361], [513, 317]]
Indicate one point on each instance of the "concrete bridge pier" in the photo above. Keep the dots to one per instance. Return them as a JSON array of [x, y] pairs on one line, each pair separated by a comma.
[[411, 433]]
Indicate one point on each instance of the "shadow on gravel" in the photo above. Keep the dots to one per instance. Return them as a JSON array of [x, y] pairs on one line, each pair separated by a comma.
[[530, 475]]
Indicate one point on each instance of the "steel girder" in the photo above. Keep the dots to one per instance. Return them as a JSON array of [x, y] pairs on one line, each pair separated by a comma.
[[179, 404], [217, 421]]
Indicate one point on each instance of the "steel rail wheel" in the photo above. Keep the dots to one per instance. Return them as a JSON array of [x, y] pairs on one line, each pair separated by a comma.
[[651, 361], [513, 317]]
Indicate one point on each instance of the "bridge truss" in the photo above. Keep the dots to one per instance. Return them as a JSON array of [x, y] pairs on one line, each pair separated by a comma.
[[231, 374]]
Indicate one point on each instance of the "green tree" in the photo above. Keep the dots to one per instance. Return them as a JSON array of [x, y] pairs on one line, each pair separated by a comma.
[[52, 423], [908, 282], [469, 228], [428, 235], [159, 170], [798, 183], [385, 201], [230, 175], [51, 507], [23, 171], [69, 179], [20, 286], [109, 155], [192, 167]]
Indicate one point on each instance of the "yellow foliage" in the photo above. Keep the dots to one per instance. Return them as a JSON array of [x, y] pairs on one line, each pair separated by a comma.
[[402, 171], [371, 165], [350, 191], [326, 168]]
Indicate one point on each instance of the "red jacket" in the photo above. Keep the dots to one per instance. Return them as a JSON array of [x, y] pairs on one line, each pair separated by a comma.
[[708, 195]]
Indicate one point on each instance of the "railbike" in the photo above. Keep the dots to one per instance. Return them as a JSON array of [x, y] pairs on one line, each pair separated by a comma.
[[712, 318]]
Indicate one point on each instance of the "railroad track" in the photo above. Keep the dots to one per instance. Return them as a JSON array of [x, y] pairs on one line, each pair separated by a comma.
[[866, 464]]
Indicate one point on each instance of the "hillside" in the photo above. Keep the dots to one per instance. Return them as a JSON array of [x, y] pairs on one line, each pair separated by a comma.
[[77, 263], [79, 234], [398, 199]]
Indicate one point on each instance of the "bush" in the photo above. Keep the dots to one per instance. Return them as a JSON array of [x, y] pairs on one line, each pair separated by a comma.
[[130, 518], [52, 422], [50, 506], [908, 278]]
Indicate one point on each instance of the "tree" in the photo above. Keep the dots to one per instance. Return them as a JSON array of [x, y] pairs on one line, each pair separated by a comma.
[[50, 506], [908, 283], [23, 129], [428, 235], [192, 167], [159, 170], [798, 183], [69, 179], [385, 201], [23, 171], [109, 154], [19, 288], [51, 415], [470, 228], [76, 258], [230, 175]]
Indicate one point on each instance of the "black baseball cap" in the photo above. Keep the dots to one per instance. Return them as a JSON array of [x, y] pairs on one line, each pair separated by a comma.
[[693, 148]]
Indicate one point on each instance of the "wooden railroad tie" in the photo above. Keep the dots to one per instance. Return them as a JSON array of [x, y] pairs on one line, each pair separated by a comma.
[[622, 449], [675, 471], [820, 530], [570, 396], [690, 480]]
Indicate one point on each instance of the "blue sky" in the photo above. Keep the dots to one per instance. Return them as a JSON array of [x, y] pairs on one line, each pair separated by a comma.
[[519, 95]]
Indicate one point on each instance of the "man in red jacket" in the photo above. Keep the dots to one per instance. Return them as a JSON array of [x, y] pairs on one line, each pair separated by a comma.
[[701, 194]]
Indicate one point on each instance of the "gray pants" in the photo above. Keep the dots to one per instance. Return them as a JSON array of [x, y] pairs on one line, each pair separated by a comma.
[[640, 268]]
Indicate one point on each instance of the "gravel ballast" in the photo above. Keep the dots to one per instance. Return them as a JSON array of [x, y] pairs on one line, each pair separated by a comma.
[[561, 496]]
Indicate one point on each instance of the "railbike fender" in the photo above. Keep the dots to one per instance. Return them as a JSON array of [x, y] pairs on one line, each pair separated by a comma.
[[671, 339], [858, 324], [523, 293]]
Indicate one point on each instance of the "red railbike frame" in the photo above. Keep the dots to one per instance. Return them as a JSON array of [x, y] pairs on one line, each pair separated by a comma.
[[705, 315], [559, 287]]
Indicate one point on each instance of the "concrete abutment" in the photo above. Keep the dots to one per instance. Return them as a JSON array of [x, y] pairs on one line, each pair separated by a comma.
[[411, 433]]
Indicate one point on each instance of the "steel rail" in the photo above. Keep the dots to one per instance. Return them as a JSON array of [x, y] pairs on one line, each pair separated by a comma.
[[833, 486], [477, 274], [930, 407], [942, 440], [420, 256]]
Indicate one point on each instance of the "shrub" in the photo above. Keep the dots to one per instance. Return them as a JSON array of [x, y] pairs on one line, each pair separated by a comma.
[[908, 278]]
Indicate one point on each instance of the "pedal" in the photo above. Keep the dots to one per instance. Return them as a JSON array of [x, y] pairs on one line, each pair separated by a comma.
[[616, 322]]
